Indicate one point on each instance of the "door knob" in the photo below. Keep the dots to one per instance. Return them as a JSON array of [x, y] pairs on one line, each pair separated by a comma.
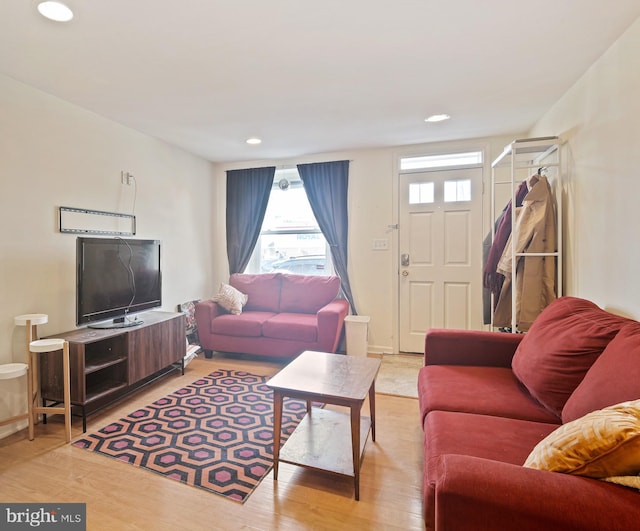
[[404, 260], [405, 273]]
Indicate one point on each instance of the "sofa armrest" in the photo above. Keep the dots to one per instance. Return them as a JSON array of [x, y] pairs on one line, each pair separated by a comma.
[[330, 323], [481, 494], [206, 312], [470, 347]]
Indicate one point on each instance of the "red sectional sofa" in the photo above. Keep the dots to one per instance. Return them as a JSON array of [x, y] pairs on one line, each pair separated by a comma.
[[487, 399], [284, 315]]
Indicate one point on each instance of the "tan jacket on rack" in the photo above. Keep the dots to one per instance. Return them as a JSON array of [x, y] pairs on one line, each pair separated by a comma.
[[534, 232]]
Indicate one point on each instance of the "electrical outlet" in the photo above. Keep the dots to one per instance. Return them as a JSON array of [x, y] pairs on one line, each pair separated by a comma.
[[126, 178]]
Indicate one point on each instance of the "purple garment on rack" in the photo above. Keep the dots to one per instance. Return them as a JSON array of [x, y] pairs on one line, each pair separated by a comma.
[[491, 279]]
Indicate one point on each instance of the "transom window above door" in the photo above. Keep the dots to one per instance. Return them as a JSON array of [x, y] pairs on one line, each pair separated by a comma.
[[443, 160]]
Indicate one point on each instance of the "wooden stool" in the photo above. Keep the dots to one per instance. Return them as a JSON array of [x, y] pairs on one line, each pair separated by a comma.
[[52, 345], [9, 371], [31, 321]]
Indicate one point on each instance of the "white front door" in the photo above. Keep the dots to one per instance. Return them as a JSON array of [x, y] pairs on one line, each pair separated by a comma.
[[440, 244]]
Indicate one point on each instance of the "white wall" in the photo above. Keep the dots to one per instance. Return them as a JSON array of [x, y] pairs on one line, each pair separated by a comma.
[[55, 154], [599, 118], [372, 207]]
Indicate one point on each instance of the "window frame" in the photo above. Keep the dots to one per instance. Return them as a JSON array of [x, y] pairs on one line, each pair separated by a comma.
[[255, 265]]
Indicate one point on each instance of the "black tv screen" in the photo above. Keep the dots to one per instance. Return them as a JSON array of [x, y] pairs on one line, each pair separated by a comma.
[[116, 277]]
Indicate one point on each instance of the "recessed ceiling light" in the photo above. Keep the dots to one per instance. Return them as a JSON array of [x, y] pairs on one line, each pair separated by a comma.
[[55, 11], [253, 141], [437, 118]]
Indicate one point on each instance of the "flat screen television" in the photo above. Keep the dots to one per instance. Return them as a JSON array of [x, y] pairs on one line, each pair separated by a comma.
[[116, 277]]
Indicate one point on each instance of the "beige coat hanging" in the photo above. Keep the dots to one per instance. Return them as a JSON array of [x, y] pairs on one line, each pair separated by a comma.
[[534, 232]]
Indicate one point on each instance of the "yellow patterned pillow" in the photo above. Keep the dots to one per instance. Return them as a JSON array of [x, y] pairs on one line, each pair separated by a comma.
[[627, 481], [601, 444], [230, 299]]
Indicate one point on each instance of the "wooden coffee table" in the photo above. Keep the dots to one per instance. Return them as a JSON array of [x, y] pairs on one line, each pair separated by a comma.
[[320, 441]]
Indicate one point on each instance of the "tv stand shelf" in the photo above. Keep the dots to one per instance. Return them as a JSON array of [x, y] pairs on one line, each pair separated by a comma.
[[108, 364], [105, 389], [98, 365]]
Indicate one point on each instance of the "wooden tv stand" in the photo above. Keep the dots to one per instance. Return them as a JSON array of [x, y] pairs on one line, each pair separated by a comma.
[[108, 364]]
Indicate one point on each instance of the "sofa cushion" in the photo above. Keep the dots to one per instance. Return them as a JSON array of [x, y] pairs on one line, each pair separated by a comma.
[[263, 291], [493, 438], [497, 438], [613, 378], [230, 298], [247, 324], [307, 294], [601, 444], [560, 347], [293, 326], [481, 390]]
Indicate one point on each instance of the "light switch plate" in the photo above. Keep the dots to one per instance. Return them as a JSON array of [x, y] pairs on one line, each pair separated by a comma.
[[380, 245]]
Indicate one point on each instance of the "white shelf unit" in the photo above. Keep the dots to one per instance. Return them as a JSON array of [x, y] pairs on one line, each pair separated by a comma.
[[518, 161]]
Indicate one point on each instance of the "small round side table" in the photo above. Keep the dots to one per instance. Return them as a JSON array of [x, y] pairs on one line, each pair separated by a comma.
[[53, 345], [9, 371], [31, 321]]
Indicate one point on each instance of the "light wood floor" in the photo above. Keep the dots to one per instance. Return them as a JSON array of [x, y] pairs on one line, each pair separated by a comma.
[[121, 497]]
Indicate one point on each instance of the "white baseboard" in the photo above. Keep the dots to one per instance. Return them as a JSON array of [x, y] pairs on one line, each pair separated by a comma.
[[377, 349]]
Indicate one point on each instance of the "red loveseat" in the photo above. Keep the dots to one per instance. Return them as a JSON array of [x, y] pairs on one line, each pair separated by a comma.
[[284, 315], [488, 399]]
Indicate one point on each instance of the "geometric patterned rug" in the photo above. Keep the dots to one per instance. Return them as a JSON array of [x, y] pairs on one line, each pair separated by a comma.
[[215, 434]]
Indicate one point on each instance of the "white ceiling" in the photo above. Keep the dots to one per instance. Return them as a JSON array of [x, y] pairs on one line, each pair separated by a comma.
[[310, 77]]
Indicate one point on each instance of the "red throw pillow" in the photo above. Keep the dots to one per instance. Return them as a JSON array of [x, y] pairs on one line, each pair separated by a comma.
[[612, 379], [560, 347]]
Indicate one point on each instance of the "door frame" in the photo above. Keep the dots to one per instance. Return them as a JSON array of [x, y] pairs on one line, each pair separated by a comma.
[[426, 150]]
